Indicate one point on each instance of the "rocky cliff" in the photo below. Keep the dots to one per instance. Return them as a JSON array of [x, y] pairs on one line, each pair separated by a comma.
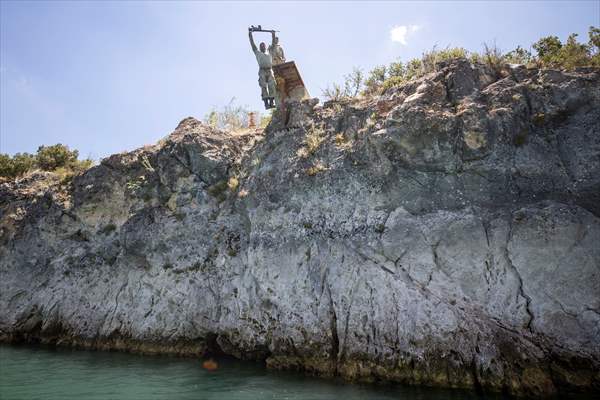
[[445, 233]]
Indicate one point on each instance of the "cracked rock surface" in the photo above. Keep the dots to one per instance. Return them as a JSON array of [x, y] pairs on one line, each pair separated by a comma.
[[445, 233]]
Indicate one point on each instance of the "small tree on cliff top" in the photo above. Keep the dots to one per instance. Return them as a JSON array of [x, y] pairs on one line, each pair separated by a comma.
[[47, 158]]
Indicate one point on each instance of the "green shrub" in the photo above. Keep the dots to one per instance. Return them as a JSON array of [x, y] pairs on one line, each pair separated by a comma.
[[518, 56], [414, 69], [350, 88], [594, 39], [6, 166], [547, 49], [51, 157], [417, 67], [79, 166], [57, 158], [550, 52], [396, 69], [385, 77], [353, 82], [594, 45], [375, 79], [393, 82], [431, 58], [574, 54], [13, 167]]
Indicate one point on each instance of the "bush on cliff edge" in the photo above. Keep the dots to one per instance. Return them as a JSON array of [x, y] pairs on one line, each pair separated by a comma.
[[550, 52], [57, 158]]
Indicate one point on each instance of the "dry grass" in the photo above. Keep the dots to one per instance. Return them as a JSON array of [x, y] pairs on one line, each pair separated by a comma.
[[340, 139], [233, 183], [314, 137], [316, 168], [342, 142]]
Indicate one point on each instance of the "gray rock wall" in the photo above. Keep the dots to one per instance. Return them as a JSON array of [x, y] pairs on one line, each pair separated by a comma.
[[445, 233]]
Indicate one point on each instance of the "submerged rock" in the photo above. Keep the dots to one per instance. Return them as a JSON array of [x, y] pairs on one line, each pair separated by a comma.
[[445, 233]]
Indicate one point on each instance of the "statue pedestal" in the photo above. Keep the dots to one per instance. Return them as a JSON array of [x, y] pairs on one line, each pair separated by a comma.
[[289, 83]]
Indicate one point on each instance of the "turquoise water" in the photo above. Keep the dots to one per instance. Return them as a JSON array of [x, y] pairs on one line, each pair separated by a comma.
[[35, 372]]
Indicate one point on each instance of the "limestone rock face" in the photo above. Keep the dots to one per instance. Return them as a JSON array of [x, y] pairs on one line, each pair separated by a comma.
[[445, 233]]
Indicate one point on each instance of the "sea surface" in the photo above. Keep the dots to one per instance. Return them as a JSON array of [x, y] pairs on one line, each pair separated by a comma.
[[37, 372]]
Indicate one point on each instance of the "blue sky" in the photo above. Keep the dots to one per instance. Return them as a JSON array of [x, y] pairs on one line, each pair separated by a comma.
[[104, 77]]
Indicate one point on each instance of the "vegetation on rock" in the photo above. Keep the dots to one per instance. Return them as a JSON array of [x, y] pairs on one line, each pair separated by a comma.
[[234, 117], [312, 141], [57, 158], [550, 52]]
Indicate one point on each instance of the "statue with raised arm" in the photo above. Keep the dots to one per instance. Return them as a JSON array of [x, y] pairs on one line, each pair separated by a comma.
[[265, 73], [276, 51]]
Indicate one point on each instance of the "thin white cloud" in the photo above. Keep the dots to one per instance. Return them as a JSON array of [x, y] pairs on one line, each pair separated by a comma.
[[400, 32]]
